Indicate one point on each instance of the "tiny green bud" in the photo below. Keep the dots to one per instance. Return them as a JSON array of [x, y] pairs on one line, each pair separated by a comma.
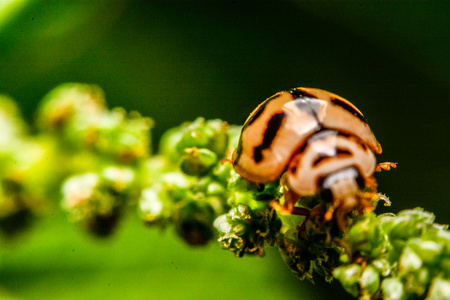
[[409, 261], [218, 141], [445, 265], [168, 144], [152, 209], [370, 280], [349, 276], [66, 101], [440, 289], [239, 184], [366, 236], [240, 212], [11, 122], [77, 194], [193, 222], [416, 282], [428, 251], [383, 266], [247, 230], [393, 289], [222, 172], [409, 223], [215, 189], [118, 179], [222, 224], [198, 162], [195, 135]]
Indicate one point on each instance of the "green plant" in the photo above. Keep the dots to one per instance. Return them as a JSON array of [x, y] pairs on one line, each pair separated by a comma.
[[96, 161]]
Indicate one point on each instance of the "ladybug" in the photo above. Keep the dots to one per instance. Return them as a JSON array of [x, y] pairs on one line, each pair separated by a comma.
[[320, 141]]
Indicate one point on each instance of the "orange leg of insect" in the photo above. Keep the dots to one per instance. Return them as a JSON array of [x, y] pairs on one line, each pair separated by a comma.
[[289, 208], [340, 208], [385, 166], [290, 198], [371, 183], [226, 160]]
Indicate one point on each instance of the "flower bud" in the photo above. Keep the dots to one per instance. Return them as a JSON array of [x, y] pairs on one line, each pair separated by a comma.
[[68, 101], [428, 251], [198, 162], [349, 276], [193, 222], [152, 209], [366, 237], [393, 289], [440, 289], [369, 281]]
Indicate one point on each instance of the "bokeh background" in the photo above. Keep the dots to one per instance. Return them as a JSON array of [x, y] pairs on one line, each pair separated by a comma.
[[177, 60]]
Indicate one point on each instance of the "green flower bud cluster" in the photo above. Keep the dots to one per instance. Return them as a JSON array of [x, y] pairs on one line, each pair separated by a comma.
[[254, 195], [76, 134], [78, 116], [189, 204], [21, 181], [107, 147], [197, 184], [190, 189], [98, 199], [404, 256], [308, 252], [196, 146], [245, 231]]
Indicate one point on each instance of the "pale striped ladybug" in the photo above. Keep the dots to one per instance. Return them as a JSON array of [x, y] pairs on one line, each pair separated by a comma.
[[319, 140]]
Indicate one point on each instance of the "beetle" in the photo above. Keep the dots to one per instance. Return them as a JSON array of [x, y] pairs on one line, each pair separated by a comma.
[[320, 141]]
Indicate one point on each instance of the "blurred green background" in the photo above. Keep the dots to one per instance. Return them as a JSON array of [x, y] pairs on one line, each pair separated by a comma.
[[177, 60]]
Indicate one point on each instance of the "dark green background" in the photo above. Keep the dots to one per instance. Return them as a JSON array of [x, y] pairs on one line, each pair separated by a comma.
[[177, 60]]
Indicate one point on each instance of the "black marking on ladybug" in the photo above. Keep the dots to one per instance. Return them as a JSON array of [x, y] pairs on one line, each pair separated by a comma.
[[339, 153], [260, 110], [348, 108], [360, 181], [239, 149], [270, 133], [298, 93], [294, 169], [325, 193], [363, 145], [308, 106]]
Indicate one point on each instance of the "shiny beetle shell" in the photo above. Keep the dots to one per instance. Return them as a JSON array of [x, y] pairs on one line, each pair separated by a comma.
[[281, 126], [325, 153]]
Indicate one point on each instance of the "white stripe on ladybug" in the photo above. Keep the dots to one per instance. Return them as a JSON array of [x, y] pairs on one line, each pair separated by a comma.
[[321, 157]]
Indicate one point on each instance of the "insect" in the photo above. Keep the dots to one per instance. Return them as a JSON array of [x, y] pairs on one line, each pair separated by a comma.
[[320, 141]]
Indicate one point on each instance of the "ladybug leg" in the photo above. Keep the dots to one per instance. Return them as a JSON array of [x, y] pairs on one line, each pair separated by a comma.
[[371, 183], [386, 200], [385, 166], [343, 208], [290, 198], [289, 208], [341, 219], [300, 211]]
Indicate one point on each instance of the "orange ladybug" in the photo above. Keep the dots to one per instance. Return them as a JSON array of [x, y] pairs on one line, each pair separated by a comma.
[[322, 143]]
